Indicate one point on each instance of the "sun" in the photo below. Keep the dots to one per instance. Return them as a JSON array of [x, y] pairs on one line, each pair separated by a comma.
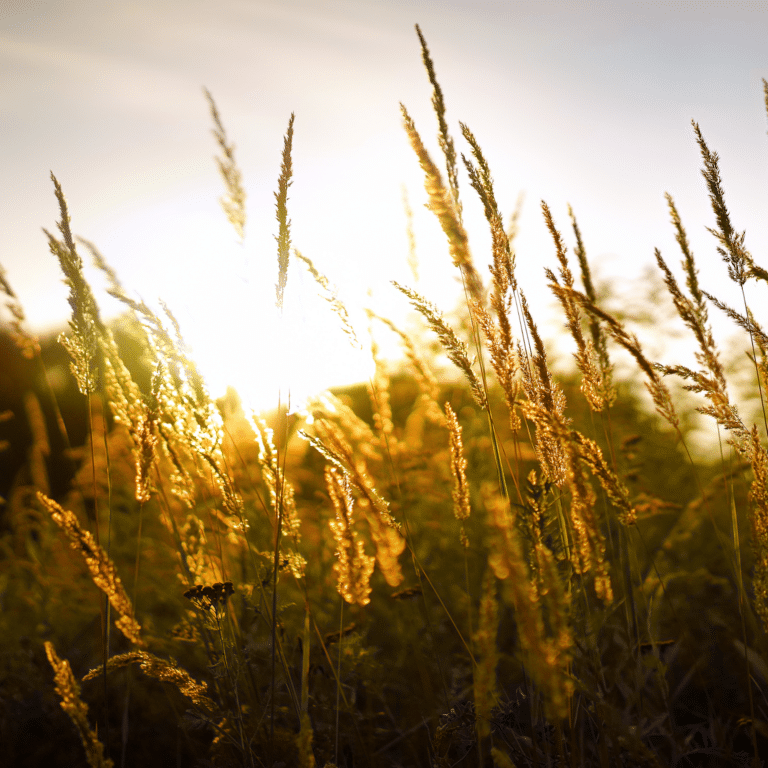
[[239, 338]]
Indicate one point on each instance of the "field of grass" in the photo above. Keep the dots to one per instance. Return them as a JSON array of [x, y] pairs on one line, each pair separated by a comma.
[[500, 568]]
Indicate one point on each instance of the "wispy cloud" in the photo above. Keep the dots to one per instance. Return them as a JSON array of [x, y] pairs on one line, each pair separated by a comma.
[[71, 71]]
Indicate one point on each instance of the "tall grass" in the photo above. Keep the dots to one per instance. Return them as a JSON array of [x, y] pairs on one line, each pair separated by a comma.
[[509, 568]]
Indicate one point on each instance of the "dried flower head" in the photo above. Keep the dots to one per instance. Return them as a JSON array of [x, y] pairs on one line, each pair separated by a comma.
[[212, 597]]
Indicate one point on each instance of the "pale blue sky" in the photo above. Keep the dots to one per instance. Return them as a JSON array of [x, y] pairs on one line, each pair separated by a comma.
[[584, 103]]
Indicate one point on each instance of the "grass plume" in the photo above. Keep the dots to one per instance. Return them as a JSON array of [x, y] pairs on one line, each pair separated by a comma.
[[281, 209], [233, 203], [69, 693]]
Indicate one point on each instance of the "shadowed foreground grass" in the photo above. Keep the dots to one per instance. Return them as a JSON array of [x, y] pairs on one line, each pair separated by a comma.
[[507, 568]]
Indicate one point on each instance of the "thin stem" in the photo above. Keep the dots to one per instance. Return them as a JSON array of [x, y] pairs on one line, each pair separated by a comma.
[[338, 679], [103, 599]]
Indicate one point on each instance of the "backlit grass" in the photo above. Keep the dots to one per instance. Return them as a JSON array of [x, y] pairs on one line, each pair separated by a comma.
[[503, 567]]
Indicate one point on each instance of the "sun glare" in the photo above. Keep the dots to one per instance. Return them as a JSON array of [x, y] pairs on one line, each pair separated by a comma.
[[239, 338], [271, 357]]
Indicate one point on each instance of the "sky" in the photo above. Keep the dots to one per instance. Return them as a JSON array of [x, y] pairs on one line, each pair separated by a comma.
[[581, 103]]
